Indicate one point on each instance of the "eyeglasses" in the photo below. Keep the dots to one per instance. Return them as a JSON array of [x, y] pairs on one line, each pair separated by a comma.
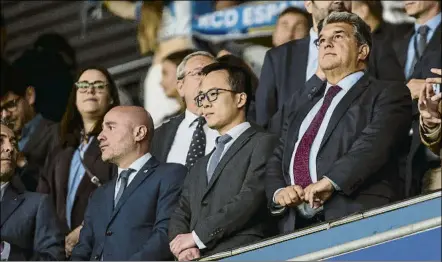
[[10, 106], [335, 38], [211, 95], [83, 86], [195, 72]]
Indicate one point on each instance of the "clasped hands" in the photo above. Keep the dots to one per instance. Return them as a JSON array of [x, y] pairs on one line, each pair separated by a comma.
[[314, 194], [429, 101], [184, 247]]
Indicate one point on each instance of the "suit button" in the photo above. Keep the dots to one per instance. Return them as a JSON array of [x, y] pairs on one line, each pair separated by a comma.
[[204, 203], [96, 257], [309, 96], [314, 89], [109, 233]]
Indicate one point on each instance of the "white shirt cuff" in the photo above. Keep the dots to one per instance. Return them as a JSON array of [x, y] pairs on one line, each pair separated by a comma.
[[337, 188], [198, 241], [6, 251], [274, 194]]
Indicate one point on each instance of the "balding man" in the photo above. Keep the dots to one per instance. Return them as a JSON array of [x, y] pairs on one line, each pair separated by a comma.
[[127, 218]]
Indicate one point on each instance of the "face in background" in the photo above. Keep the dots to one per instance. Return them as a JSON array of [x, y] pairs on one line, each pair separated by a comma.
[[418, 8], [168, 78], [321, 9], [18, 110], [290, 26], [188, 86], [117, 138], [223, 113], [9, 153], [338, 48], [93, 96]]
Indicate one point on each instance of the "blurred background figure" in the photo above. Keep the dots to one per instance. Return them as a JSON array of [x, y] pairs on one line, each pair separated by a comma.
[[2, 36], [293, 23]]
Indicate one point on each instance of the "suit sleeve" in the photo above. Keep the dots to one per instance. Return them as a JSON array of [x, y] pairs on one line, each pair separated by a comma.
[[240, 209], [386, 65], [378, 141], [83, 250], [48, 239], [266, 93], [156, 246], [43, 182]]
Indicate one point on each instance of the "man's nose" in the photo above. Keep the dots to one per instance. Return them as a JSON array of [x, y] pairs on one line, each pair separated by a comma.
[[100, 136], [7, 147]]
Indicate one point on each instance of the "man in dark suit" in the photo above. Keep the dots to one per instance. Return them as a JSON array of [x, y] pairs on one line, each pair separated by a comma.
[[176, 140], [222, 205], [418, 50], [17, 99], [336, 154], [28, 226], [127, 218], [287, 68]]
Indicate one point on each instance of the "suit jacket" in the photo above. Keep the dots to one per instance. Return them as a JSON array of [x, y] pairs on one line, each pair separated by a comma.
[[284, 72], [436, 145], [230, 210], [41, 142], [136, 229], [29, 225], [164, 136], [54, 180], [364, 161]]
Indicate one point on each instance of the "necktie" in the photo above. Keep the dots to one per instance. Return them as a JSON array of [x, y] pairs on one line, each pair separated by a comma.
[[221, 142], [123, 178], [419, 45], [301, 171], [197, 147]]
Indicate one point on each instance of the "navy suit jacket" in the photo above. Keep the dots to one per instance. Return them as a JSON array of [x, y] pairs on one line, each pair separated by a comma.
[[30, 226], [136, 229]]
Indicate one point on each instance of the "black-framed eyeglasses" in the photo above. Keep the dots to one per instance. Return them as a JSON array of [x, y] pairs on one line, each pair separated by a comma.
[[195, 72], [211, 95], [10, 106], [83, 86]]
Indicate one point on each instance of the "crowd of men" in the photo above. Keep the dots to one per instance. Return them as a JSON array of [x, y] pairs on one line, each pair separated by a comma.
[[344, 120]]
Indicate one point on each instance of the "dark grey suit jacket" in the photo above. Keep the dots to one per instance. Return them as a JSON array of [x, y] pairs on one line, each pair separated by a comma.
[[30, 226], [230, 211], [358, 151], [136, 229], [164, 136]]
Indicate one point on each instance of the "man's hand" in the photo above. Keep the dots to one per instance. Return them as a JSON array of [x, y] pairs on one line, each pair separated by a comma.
[[416, 86], [429, 102], [290, 196], [189, 254], [317, 193], [71, 240], [181, 242]]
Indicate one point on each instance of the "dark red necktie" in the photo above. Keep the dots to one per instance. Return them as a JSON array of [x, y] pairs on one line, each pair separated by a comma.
[[301, 171]]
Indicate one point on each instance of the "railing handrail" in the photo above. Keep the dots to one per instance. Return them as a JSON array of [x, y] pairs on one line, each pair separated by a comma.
[[131, 65]]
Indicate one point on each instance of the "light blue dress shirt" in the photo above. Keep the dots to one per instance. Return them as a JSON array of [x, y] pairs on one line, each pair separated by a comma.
[[28, 130], [76, 173], [433, 23], [312, 61]]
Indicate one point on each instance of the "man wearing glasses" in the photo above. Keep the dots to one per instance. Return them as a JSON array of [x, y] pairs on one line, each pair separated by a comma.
[[186, 138], [222, 205], [17, 104]]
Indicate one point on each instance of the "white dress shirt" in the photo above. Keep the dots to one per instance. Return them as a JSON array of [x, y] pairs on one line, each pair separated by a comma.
[[6, 246], [312, 61], [183, 139], [137, 165], [346, 84], [234, 133]]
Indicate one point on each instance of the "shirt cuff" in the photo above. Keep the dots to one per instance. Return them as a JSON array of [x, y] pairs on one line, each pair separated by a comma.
[[431, 133], [198, 241], [6, 251], [337, 188], [274, 194]]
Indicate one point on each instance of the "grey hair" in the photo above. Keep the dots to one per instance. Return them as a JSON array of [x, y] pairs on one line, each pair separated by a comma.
[[361, 30], [180, 69]]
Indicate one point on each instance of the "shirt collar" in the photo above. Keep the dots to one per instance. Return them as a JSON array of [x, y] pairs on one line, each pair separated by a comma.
[[189, 118], [137, 165], [347, 82], [433, 23], [3, 189], [31, 125], [238, 130], [313, 35]]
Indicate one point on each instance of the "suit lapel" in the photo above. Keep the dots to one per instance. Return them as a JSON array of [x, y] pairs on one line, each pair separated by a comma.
[[300, 63], [144, 173], [62, 166], [170, 135], [11, 201], [434, 42], [401, 47], [231, 151], [343, 105]]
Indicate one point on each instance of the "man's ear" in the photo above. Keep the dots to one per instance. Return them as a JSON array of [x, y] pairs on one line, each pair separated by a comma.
[[179, 87], [241, 100], [364, 51], [30, 95], [140, 133]]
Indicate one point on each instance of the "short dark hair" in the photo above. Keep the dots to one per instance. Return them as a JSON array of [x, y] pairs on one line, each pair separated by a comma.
[[296, 10], [12, 80], [240, 77], [177, 57]]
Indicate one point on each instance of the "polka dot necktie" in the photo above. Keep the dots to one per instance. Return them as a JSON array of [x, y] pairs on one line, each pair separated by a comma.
[[197, 147]]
